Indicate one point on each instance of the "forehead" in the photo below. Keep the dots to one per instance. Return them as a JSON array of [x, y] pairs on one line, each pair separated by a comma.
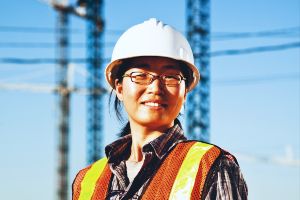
[[155, 63]]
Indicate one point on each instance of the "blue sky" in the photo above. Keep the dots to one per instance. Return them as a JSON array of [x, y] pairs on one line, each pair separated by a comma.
[[255, 98]]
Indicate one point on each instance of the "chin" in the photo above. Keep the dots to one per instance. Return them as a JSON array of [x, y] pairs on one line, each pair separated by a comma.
[[155, 122]]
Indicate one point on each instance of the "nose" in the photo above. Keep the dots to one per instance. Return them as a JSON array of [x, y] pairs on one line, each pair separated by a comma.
[[156, 87]]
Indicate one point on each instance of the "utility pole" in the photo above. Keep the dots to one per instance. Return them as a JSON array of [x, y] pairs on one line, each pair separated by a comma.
[[198, 34], [95, 26], [63, 104], [92, 11]]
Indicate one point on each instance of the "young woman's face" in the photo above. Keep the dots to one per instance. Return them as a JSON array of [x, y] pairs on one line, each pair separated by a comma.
[[155, 105]]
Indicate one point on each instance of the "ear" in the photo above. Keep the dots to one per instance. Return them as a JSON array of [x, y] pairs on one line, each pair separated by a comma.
[[185, 94], [119, 89]]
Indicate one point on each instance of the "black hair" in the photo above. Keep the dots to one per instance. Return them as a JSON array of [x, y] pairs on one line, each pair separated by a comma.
[[187, 73], [122, 68]]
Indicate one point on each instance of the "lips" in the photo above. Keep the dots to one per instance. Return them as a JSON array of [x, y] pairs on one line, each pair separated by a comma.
[[154, 103]]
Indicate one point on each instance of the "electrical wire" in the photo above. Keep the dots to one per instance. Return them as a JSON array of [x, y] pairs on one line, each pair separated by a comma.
[[255, 49], [46, 88], [259, 49], [282, 32], [46, 45], [29, 75], [252, 80], [12, 60], [38, 30], [49, 30]]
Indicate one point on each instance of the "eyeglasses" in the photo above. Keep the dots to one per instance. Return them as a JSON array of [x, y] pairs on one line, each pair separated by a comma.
[[145, 78]]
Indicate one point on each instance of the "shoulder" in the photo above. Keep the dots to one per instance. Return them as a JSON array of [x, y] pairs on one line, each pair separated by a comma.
[[214, 158], [225, 178], [218, 171], [87, 179], [210, 150], [76, 185], [220, 159], [96, 166], [209, 156]]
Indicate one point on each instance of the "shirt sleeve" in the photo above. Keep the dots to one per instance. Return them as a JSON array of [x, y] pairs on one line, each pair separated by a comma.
[[225, 181]]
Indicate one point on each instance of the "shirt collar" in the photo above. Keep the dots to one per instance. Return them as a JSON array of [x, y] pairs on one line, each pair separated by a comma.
[[164, 143], [120, 149]]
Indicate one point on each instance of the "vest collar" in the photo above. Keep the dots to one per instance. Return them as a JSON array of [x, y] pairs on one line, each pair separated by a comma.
[[120, 149]]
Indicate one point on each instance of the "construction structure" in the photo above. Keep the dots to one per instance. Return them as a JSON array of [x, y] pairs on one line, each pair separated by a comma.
[[95, 86], [198, 34], [93, 10], [63, 95]]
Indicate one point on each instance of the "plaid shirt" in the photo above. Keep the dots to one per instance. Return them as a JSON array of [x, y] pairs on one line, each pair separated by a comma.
[[225, 181]]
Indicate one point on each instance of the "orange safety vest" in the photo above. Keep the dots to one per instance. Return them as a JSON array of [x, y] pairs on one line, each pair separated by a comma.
[[181, 175]]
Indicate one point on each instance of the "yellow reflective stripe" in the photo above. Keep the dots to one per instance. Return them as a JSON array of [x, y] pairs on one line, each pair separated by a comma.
[[185, 179], [89, 181]]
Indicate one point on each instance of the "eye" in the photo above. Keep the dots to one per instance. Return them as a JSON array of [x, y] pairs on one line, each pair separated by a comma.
[[172, 78], [140, 76]]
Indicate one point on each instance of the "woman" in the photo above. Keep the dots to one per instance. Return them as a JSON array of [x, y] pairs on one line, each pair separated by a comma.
[[151, 72]]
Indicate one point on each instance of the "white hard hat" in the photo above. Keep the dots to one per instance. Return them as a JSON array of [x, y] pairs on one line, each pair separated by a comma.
[[152, 38]]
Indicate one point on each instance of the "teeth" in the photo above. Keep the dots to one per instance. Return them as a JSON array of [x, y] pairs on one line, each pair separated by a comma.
[[152, 104]]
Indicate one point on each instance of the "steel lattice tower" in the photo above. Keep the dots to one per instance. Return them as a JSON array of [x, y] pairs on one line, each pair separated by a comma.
[[94, 82], [198, 34], [63, 104]]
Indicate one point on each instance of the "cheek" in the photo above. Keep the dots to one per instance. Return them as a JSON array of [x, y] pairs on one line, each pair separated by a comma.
[[179, 99], [178, 94], [131, 93]]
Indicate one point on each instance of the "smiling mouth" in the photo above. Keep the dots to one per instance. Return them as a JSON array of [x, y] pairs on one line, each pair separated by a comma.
[[154, 104]]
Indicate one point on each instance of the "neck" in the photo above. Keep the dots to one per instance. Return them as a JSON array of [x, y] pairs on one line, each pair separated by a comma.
[[142, 135]]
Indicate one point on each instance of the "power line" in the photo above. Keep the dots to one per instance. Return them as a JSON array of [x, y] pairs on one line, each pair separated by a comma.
[[255, 49], [42, 72], [48, 30], [111, 44], [260, 49], [252, 80], [45, 45], [46, 88], [84, 91], [38, 60], [35, 45], [285, 32], [282, 32], [32, 29]]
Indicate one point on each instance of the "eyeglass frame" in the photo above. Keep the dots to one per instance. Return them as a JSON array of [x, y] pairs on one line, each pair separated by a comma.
[[154, 77]]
